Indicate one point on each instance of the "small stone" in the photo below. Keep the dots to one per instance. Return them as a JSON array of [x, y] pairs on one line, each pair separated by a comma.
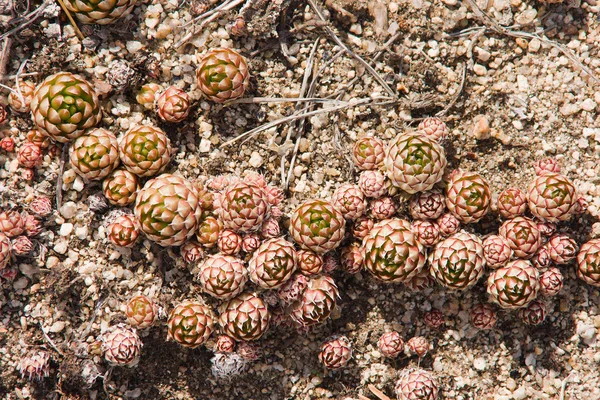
[[480, 69], [568, 109], [480, 364], [58, 326], [133, 46], [81, 232], [78, 184], [65, 229], [204, 146], [481, 129], [588, 105], [20, 283], [526, 16], [535, 45], [68, 210], [256, 160], [61, 247], [586, 332], [482, 54], [522, 83]]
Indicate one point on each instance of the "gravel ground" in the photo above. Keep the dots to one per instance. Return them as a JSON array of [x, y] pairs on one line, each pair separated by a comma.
[[508, 98]]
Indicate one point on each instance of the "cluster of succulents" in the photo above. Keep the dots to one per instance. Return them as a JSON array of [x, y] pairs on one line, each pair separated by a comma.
[[17, 230], [259, 276]]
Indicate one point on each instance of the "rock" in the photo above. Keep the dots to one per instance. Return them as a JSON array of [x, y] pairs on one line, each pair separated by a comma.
[[586, 332], [256, 160], [481, 129], [568, 109], [65, 229], [588, 105], [134, 46], [58, 326], [68, 210], [480, 364]]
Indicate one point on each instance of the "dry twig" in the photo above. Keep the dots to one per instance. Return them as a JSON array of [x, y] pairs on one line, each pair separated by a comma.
[[308, 70], [50, 341], [358, 58], [494, 26], [378, 393], [61, 171], [344, 105], [208, 17], [71, 19]]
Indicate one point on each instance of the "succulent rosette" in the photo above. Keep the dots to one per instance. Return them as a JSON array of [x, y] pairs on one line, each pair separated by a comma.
[[534, 313], [515, 285], [390, 344], [523, 236], [121, 346], [562, 249], [223, 75], [552, 197], [124, 230], [94, 154], [317, 226], [12, 224], [145, 150], [273, 263], [511, 203], [243, 207], [372, 183], [427, 205], [483, 316], [101, 12], [168, 210], [64, 105], [458, 262], [588, 262], [551, 282], [336, 352], [352, 258], [349, 200], [309, 262], [141, 312], [468, 196], [245, 317], [190, 323], [392, 252], [434, 128], [317, 301], [20, 102], [368, 153], [414, 162], [416, 384], [120, 187], [208, 231], [173, 105], [497, 251], [222, 276], [146, 96]]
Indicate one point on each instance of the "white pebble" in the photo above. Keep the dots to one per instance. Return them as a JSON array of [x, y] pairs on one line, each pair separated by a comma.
[[81, 232], [480, 364], [68, 210], [65, 229], [204, 145], [256, 160], [586, 332], [134, 46], [57, 326], [61, 247], [78, 184]]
